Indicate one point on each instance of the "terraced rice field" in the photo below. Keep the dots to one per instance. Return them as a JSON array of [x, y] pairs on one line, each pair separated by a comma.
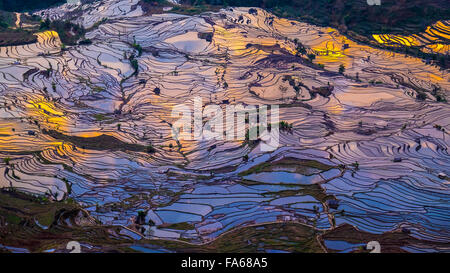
[[435, 39], [370, 145]]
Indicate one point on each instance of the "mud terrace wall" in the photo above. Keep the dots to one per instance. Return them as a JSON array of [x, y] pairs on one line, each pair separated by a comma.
[[87, 90]]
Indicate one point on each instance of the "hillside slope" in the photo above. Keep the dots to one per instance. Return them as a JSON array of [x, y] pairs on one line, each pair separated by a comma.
[[391, 16], [27, 5]]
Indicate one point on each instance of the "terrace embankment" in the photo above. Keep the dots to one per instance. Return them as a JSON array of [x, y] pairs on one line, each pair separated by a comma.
[[346, 238], [102, 142], [40, 225]]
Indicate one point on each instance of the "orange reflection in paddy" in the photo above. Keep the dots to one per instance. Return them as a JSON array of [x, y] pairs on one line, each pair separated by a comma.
[[433, 39], [236, 42], [47, 36], [396, 40], [331, 52], [47, 112], [440, 28], [331, 48], [229, 39], [440, 48]]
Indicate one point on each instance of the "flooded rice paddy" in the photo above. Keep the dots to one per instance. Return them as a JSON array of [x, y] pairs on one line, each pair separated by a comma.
[[371, 146], [433, 39]]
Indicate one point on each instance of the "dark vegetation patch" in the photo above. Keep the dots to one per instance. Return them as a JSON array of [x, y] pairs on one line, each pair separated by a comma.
[[324, 91], [30, 72], [205, 36], [300, 166], [7, 19], [391, 242], [152, 7], [21, 207], [16, 37], [100, 143], [28, 5], [292, 237], [313, 190], [189, 9], [85, 42], [180, 226], [10, 35]]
